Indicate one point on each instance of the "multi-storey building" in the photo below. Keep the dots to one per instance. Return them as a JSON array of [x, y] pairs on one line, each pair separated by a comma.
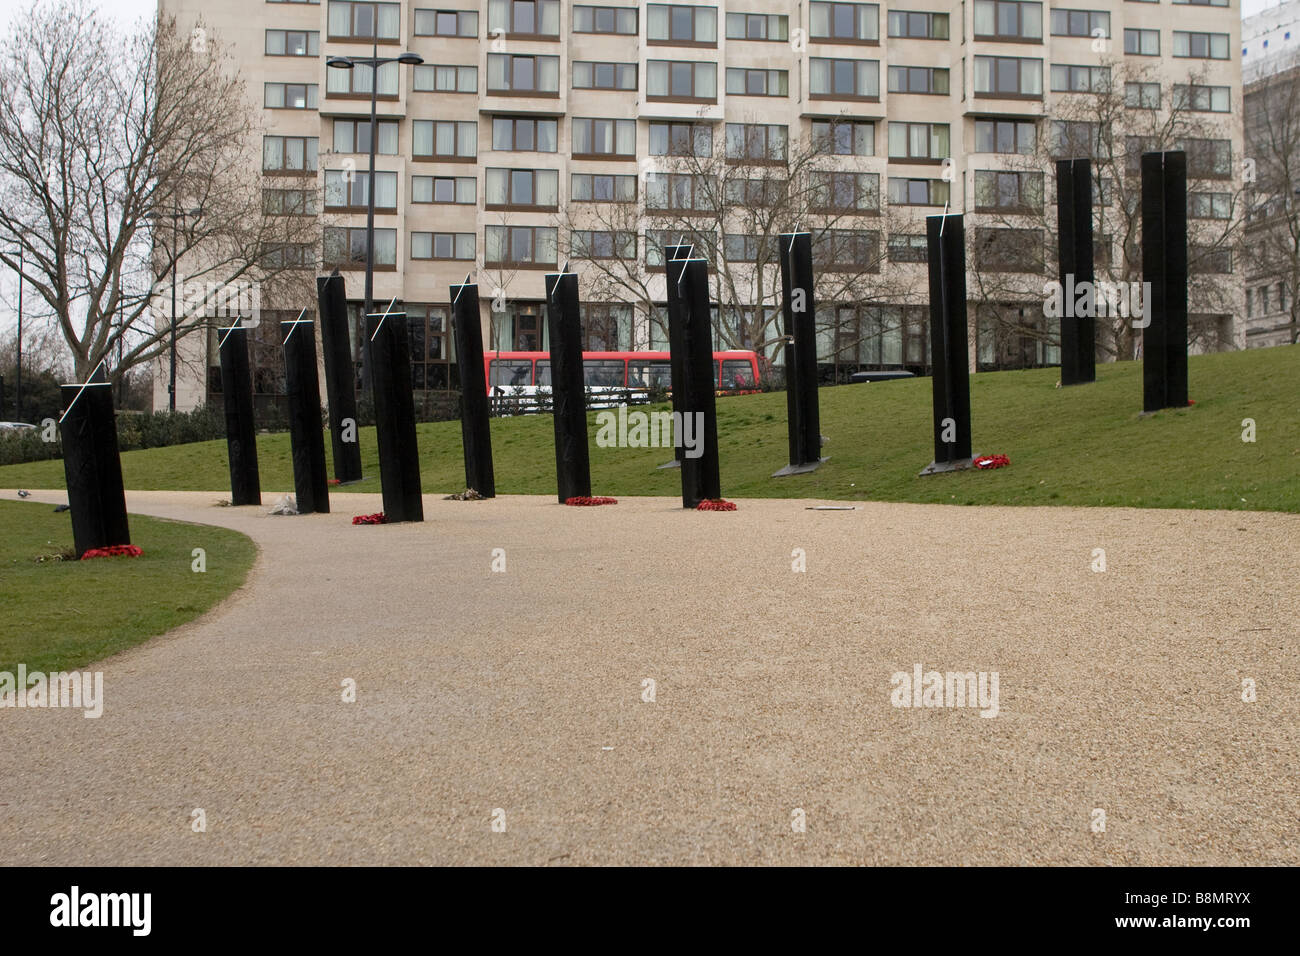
[[1270, 50], [528, 116]]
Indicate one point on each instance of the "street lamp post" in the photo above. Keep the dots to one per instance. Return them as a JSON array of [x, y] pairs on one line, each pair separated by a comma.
[[18, 387], [177, 215], [375, 61]]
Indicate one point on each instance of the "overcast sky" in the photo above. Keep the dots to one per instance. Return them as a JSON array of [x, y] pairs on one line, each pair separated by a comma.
[[125, 10]]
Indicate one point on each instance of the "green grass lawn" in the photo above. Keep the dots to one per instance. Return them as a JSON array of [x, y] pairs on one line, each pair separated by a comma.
[[60, 615], [1085, 445]]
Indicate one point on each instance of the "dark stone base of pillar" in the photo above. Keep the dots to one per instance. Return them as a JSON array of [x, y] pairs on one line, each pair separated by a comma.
[[943, 467]]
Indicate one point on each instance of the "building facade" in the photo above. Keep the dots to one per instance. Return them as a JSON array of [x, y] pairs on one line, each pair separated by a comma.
[[1270, 50], [543, 131]]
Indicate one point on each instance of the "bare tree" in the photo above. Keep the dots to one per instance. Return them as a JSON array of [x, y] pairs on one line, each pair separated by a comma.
[[1272, 120], [108, 140], [1118, 111], [732, 200]]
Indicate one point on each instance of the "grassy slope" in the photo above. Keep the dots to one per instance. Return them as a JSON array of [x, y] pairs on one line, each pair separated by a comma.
[[61, 615], [1080, 446]]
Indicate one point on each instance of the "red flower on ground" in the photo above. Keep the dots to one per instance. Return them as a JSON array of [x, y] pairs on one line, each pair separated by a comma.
[[588, 500], [113, 551], [716, 504], [985, 462], [377, 518]]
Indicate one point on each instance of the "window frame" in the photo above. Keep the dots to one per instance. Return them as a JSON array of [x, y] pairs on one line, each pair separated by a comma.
[[696, 9], [458, 130], [620, 69], [670, 96]]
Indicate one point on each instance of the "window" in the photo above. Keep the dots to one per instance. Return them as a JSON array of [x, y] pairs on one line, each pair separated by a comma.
[[1081, 79], [289, 202], [655, 240], [1202, 99], [446, 23], [911, 141], [844, 138], [521, 246], [1134, 147], [289, 255], [1207, 260], [1204, 46], [681, 80], [918, 192], [621, 20], [843, 249], [1008, 76], [755, 193], [998, 191], [681, 139], [606, 327], [1080, 23], [1211, 3], [844, 192], [443, 139], [524, 18], [446, 79], [1008, 20], [757, 143], [1005, 136], [459, 190], [292, 43], [523, 75], [1009, 250], [599, 187], [741, 248], [1143, 96], [345, 247], [430, 344], [289, 154], [356, 81], [680, 192], [603, 76], [595, 244], [757, 26], [1141, 42], [876, 336], [442, 245], [1207, 158], [353, 136], [918, 79], [681, 25], [1209, 205], [747, 82], [521, 189], [1078, 139], [843, 79], [921, 26], [524, 134], [291, 96], [1102, 250], [604, 137], [364, 21], [908, 248], [844, 22], [347, 191]]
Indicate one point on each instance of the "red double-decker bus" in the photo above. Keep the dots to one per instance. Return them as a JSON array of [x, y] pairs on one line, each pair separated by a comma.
[[734, 370]]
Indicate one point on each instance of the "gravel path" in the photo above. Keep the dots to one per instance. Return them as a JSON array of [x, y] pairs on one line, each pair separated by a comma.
[[477, 690]]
